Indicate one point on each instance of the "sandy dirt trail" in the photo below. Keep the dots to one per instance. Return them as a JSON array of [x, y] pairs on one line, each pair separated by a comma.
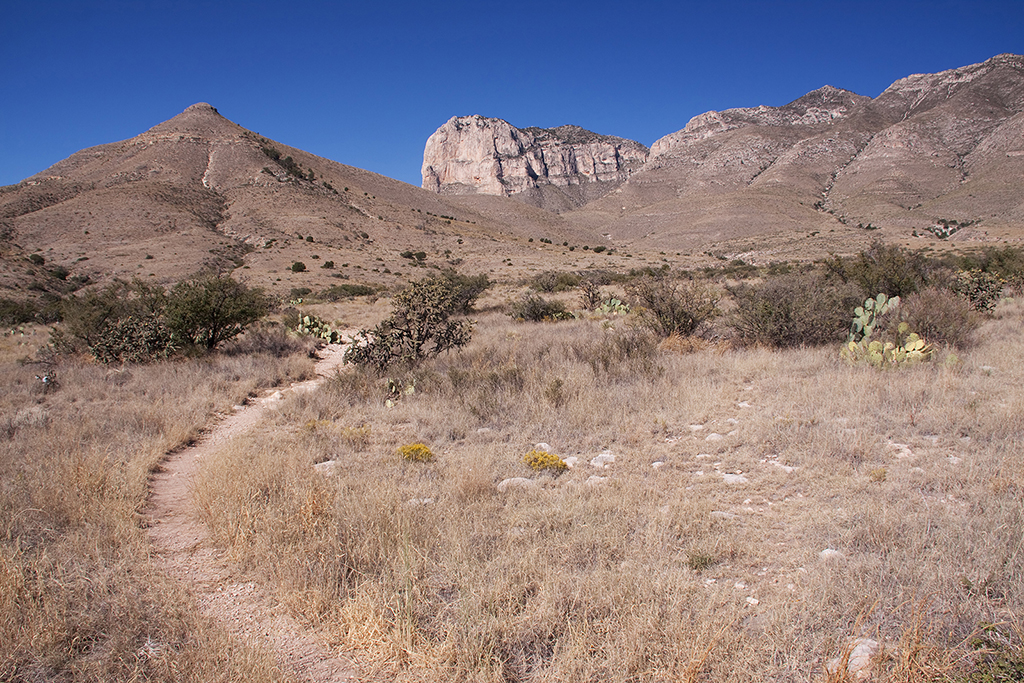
[[182, 548]]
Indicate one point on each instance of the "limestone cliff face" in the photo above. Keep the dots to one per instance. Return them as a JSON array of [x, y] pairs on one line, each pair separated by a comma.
[[556, 168]]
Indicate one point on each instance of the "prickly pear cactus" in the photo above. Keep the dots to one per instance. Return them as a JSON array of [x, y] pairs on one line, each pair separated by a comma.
[[865, 317], [315, 327], [908, 349]]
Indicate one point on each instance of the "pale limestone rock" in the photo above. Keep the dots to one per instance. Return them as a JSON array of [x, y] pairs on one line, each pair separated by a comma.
[[521, 483], [558, 168], [861, 660]]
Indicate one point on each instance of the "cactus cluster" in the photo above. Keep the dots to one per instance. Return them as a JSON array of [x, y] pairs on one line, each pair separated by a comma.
[[866, 317], [315, 327], [613, 307], [908, 349]]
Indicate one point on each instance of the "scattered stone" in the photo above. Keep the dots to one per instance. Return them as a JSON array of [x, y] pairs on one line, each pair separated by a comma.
[[788, 469], [733, 421], [860, 661], [954, 460], [603, 460], [699, 473], [714, 436], [516, 483], [696, 428], [900, 450], [595, 480], [722, 514], [571, 461], [987, 369], [701, 456], [734, 478], [326, 467], [743, 404], [739, 585], [484, 430], [543, 447], [830, 554], [419, 502], [752, 601], [658, 464]]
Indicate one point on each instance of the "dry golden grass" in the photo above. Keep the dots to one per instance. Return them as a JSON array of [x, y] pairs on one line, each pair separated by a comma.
[[674, 572], [79, 597]]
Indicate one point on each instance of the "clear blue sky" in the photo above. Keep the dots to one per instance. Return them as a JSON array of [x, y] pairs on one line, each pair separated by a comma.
[[366, 83]]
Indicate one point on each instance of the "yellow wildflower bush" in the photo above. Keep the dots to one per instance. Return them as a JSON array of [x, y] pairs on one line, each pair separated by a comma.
[[542, 460], [415, 452]]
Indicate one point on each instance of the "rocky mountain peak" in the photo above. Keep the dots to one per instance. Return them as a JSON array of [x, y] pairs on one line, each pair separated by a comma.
[[200, 119], [556, 168]]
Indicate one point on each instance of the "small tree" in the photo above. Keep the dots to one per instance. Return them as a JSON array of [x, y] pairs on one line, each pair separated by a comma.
[[420, 326], [208, 310]]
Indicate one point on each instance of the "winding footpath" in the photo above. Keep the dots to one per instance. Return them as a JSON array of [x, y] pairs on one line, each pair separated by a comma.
[[182, 548]]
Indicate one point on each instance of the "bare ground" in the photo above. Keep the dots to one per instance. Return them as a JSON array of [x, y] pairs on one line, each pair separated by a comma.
[[182, 548]]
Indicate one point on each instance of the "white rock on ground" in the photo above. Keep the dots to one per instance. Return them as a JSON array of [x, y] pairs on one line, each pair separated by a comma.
[[861, 661], [543, 447], [603, 460], [831, 554], [715, 436], [595, 480], [571, 461], [521, 483], [734, 478]]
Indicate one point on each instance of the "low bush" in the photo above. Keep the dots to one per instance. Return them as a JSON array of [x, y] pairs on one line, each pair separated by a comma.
[[669, 306], [133, 339], [939, 316], [555, 281], [17, 312], [534, 308], [981, 289], [542, 460], [793, 310], [887, 268], [336, 292], [415, 452]]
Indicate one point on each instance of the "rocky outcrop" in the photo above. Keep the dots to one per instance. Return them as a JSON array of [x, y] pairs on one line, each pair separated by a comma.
[[556, 168]]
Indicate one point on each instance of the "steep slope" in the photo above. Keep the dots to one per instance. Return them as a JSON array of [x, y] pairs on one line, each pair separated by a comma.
[[931, 147], [556, 169]]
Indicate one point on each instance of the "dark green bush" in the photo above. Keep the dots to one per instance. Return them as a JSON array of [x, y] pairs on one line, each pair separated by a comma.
[[468, 289], [668, 306], [208, 310], [533, 308], [793, 310], [17, 312], [336, 292], [298, 267], [883, 268]]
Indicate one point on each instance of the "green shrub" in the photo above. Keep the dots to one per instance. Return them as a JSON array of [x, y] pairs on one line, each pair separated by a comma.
[[419, 326], [533, 308], [793, 310], [133, 339], [336, 292], [887, 268], [208, 310], [17, 312], [981, 289], [468, 289], [667, 306], [298, 267], [86, 316]]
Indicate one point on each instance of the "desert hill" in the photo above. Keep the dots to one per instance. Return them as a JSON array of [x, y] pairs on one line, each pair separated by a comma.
[[930, 148], [199, 191]]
